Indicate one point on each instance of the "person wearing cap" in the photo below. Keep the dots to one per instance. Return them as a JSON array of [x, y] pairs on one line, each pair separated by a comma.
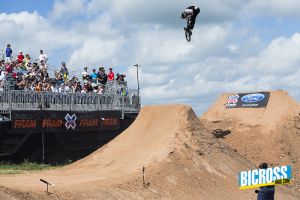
[[117, 76], [99, 72], [111, 75], [102, 77], [265, 192], [121, 78], [64, 71], [85, 74], [20, 57], [8, 53]]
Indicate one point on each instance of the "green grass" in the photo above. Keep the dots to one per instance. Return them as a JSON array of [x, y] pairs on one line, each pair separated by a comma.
[[26, 166]]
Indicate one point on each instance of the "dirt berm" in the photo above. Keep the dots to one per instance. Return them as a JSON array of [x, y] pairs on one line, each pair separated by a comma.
[[270, 134], [181, 161]]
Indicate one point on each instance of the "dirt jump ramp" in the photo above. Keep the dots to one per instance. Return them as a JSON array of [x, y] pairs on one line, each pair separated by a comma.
[[181, 160], [270, 134]]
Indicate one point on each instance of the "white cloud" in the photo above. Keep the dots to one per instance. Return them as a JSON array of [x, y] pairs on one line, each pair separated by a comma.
[[273, 7], [281, 57], [66, 9], [233, 48], [221, 10], [226, 54], [274, 67], [163, 46], [93, 43], [95, 52], [30, 32], [166, 12]]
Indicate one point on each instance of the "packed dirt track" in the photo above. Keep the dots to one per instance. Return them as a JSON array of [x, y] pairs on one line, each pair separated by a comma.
[[181, 160]]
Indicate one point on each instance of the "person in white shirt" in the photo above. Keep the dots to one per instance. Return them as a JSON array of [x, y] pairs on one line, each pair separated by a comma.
[[101, 90], [84, 90], [67, 89], [2, 75], [43, 57], [85, 74], [54, 89], [43, 66], [95, 90], [61, 88]]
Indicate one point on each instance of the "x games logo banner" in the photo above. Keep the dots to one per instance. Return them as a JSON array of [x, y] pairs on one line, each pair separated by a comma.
[[233, 99], [70, 121], [248, 100], [61, 121]]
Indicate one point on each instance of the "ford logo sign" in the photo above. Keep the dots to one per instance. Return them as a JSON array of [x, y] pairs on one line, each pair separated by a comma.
[[253, 98]]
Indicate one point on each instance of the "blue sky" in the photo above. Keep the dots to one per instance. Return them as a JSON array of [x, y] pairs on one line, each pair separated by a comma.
[[15, 6], [237, 45]]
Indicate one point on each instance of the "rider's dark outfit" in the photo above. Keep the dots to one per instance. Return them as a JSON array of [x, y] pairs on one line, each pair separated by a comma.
[[190, 13], [266, 193]]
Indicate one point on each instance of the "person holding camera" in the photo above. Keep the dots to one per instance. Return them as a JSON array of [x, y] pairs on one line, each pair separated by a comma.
[[266, 192]]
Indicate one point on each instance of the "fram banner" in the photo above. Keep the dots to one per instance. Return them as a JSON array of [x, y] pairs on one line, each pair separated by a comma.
[[248, 100], [265, 177], [62, 121]]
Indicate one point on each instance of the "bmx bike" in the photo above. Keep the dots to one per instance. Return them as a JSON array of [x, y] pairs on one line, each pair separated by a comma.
[[188, 31]]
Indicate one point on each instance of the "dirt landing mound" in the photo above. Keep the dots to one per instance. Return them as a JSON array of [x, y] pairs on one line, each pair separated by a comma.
[[270, 134], [181, 161]]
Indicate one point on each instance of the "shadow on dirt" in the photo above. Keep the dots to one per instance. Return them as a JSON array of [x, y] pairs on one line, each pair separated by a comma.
[[219, 133]]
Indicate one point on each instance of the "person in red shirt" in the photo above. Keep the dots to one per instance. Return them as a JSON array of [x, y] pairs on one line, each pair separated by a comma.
[[20, 57], [111, 75]]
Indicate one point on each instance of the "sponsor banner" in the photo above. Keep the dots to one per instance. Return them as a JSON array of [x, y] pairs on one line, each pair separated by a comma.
[[248, 100], [62, 121], [265, 177]]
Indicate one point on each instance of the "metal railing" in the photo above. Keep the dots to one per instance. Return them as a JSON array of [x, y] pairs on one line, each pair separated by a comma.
[[116, 97], [29, 100], [15, 100], [4, 103]]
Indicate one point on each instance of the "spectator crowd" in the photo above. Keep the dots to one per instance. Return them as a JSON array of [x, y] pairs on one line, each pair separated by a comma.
[[34, 76]]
